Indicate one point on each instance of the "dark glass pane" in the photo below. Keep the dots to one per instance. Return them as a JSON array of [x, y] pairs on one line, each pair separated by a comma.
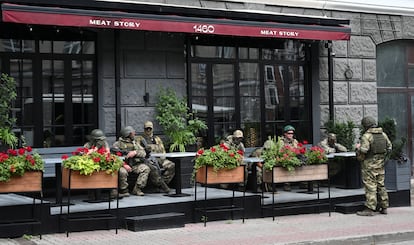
[[390, 64]]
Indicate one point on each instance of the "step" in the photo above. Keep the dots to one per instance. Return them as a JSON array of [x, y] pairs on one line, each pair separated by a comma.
[[155, 221], [349, 208]]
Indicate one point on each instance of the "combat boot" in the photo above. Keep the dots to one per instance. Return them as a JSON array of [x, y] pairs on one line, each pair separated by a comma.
[[164, 187], [366, 212], [137, 191], [383, 211], [123, 193]]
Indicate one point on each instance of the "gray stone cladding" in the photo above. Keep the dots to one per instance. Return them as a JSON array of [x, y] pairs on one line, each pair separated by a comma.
[[354, 97]]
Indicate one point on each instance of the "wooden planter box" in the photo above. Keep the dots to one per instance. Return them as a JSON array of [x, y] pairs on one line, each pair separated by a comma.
[[303, 173], [30, 181], [98, 180], [235, 175], [397, 175]]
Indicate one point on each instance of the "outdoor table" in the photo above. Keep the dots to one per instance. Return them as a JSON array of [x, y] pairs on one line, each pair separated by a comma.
[[57, 162], [253, 161], [349, 176], [176, 157]]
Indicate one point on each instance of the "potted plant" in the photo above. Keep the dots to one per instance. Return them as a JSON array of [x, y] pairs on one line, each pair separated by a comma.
[[91, 168], [288, 164], [344, 132], [179, 124], [7, 96], [218, 164], [397, 165], [20, 170]]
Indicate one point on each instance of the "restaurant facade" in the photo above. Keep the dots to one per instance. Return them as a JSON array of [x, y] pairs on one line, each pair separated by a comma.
[[250, 65]]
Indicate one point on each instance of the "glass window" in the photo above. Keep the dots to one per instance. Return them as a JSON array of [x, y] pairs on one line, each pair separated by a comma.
[[390, 65], [17, 46], [288, 50], [45, 46], [213, 52]]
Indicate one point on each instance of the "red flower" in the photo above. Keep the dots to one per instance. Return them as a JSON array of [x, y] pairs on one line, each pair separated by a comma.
[[64, 157], [118, 153], [21, 151], [231, 154], [200, 152], [96, 159], [12, 152], [305, 142], [212, 149], [29, 149], [240, 152]]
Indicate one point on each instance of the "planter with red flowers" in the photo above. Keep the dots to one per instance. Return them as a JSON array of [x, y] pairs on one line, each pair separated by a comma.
[[20, 170], [218, 164], [287, 164], [90, 168]]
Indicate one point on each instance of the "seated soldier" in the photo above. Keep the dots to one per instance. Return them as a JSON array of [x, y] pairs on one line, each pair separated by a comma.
[[329, 144], [136, 161], [147, 139]]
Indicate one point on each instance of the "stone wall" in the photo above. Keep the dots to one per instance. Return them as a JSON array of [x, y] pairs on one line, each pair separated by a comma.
[[149, 61]]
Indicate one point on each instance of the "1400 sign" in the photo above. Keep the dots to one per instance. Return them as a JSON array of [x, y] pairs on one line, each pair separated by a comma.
[[203, 28]]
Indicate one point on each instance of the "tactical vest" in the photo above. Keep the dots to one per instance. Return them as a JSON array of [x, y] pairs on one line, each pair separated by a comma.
[[379, 144]]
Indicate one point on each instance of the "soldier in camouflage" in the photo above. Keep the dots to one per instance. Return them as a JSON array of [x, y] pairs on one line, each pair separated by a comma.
[[156, 145], [371, 152], [135, 161], [289, 139], [97, 140], [329, 144], [235, 141]]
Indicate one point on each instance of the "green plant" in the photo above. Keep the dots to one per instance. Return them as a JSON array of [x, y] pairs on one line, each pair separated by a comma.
[[179, 125], [277, 154], [315, 155], [390, 128], [16, 162], [8, 94], [87, 161], [344, 132], [219, 157]]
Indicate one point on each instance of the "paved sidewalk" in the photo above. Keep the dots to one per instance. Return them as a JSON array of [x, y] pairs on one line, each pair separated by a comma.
[[313, 229]]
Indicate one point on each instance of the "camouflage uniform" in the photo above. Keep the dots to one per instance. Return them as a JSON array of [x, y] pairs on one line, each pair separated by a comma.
[[372, 169], [97, 140], [139, 165], [292, 142], [331, 147], [157, 146], [234, 142]]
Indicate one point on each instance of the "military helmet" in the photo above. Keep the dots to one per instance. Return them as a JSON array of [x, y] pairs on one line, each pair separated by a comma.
[[148, 124], [368, 122], [288, 128], [126, 131], [238, 134], [97, 134], [331, 136]]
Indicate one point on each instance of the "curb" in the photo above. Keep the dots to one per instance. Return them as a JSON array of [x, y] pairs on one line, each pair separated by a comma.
[[364, 240]]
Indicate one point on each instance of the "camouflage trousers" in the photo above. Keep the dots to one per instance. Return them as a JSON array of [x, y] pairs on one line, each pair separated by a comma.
[[145, 173], [169, 170], [373, 180]]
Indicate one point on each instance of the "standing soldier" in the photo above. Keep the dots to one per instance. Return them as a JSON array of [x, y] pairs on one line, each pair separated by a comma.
[[147, 139], [135, 161], [371, 152]]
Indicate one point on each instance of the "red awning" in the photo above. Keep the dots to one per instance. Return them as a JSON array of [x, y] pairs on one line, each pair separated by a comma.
[[168, 23]]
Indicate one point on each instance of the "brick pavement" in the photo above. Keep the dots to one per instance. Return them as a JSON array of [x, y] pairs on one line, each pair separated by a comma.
[[313, 229]]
